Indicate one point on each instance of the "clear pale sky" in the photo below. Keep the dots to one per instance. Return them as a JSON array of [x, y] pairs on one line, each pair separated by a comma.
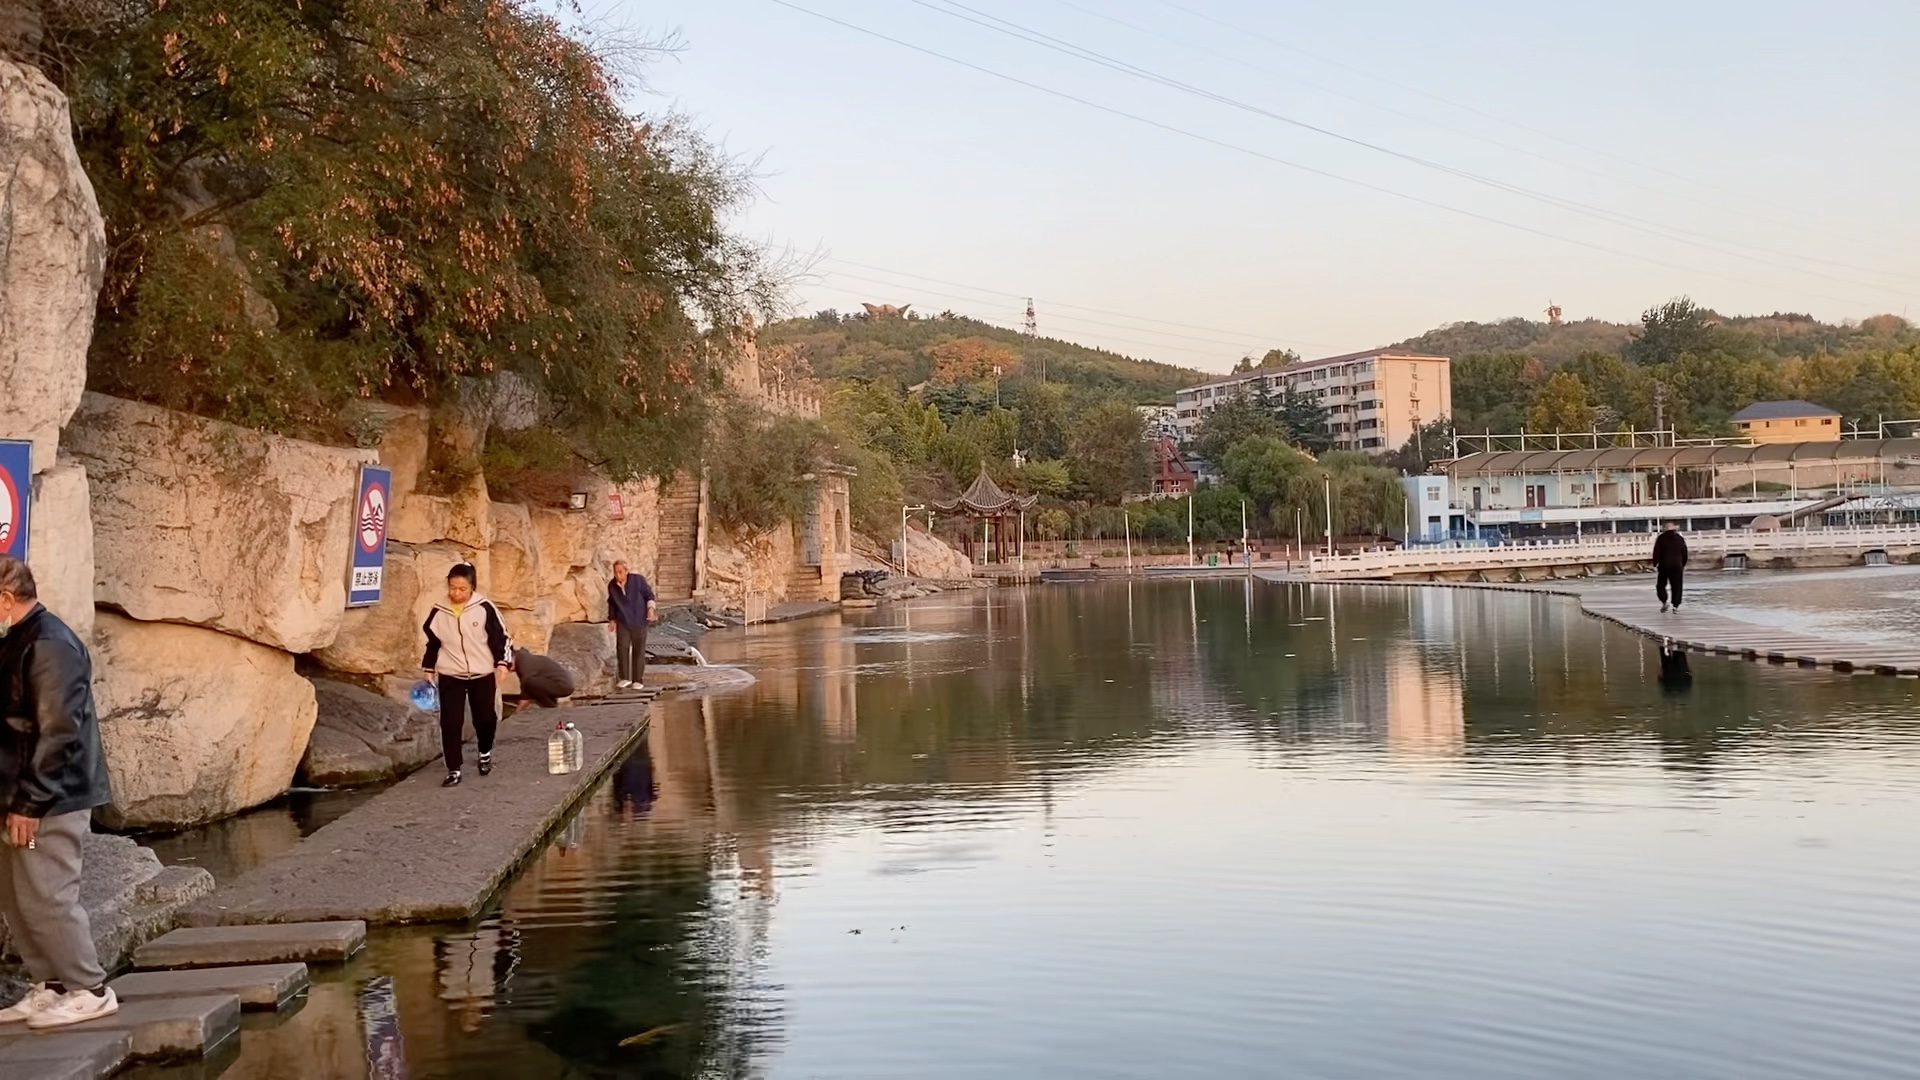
[[1765, 148]]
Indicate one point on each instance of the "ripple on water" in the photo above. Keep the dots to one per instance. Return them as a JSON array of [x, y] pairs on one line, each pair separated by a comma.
[[1482, 842]]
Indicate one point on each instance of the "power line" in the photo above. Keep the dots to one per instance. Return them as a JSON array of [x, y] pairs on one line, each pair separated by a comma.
[[1653, 228], [1462, 106], [1248, 339], [1223, 144], [1452, 129]]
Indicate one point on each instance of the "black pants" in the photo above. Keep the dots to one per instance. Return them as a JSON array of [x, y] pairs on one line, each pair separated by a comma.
[[630, 651], [1668, 576], [456, 696]]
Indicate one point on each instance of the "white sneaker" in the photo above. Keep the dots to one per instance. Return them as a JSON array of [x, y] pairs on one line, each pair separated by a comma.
[[623, 684], [38, 1000], [76, 1007]]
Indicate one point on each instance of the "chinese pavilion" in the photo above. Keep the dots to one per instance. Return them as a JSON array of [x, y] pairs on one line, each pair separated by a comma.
[[1001, 517]]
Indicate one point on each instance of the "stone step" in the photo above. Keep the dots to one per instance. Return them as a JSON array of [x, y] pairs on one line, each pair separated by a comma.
[[73, 1054], [262, 987], [173, 1027], [269, 943]]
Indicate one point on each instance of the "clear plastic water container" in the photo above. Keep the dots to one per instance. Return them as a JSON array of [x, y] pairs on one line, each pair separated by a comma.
[[566, 749], [425, 696]]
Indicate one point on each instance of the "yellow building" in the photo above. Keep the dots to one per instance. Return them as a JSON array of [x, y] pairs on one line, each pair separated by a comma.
[[1788, 422], [1374, 400]]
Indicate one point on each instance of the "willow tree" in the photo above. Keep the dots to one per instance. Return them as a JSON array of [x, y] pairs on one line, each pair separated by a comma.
[[315, 202]]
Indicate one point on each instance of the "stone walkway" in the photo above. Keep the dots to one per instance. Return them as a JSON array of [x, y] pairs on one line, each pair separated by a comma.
[[1696, 630], [418, 852]]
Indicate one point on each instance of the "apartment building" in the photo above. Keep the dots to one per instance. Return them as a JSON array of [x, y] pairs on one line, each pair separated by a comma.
[[1374, 400]]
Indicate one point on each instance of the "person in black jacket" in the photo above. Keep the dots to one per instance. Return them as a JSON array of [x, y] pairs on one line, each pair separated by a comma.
[[1669, 564], [543, 680], [53, 772]]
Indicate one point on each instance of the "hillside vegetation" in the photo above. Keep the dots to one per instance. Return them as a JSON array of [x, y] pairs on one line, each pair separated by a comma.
[[915, 349], [1684, 366]]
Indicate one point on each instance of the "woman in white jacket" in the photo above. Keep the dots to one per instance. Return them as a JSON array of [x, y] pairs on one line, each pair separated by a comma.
[[467, 653]]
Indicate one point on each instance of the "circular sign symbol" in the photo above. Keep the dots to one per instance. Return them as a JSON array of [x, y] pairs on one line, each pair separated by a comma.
[[9, 511], [373, 518]]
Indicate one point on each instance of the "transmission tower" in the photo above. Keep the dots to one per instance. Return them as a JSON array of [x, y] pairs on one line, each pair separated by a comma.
[[1031, 330]]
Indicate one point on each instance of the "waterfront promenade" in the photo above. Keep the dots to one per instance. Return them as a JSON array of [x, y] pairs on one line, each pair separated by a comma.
[[1698, 630]]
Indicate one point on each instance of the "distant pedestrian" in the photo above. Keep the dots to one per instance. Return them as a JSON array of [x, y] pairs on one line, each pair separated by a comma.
[[630, 608], [543, 680], [467, 651], [1670, 565], [53, 772]]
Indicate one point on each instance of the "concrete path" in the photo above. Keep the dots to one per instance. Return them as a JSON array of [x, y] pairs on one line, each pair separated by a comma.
[[418, 852], [1695, 629]]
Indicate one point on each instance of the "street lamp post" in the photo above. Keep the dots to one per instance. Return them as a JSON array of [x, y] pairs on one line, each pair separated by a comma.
[[904, 511], [1327, 481]]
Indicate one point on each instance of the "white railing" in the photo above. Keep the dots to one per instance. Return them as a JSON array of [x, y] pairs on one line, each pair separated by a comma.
[[1610, 548]]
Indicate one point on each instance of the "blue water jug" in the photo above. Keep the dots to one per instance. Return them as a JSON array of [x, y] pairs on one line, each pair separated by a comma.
[[425, 696]]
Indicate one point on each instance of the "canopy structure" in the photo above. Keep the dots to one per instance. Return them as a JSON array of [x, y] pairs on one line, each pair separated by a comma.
[[983, 501], [1517, 462]]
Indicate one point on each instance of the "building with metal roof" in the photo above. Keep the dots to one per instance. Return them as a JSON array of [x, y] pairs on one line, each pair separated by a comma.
[[1787, 422]]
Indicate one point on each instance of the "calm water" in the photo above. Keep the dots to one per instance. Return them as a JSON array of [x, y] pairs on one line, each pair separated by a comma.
[[1204, 830]]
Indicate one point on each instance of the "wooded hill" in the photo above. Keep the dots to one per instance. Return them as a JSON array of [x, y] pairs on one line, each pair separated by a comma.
[[1684, 366], [914, 349]]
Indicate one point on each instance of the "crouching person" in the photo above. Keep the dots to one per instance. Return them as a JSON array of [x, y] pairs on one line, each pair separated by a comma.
[[543, 681], [52, 774]]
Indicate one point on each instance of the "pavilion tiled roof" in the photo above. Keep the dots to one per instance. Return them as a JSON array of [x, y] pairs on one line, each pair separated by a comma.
[[985, 499]]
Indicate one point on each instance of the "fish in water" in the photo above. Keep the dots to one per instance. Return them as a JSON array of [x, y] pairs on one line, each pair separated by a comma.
[[650, 1035]]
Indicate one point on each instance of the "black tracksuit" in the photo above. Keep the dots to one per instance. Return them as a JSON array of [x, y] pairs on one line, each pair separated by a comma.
[[1669, 564]]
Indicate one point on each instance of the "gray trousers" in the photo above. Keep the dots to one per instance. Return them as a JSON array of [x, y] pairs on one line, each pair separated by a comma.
[[40, 897], [630, 651]]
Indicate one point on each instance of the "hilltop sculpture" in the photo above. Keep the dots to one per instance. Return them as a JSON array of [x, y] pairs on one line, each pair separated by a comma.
[[887, 311]]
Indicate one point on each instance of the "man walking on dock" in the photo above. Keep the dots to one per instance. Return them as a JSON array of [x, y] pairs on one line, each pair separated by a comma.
[[630, 607], [53, 772], [1669, 564]]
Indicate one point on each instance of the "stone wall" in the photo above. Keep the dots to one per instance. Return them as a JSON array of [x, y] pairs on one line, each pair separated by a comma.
[[213, 525]]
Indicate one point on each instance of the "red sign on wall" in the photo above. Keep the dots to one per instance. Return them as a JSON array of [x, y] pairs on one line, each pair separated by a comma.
[[614, 509]]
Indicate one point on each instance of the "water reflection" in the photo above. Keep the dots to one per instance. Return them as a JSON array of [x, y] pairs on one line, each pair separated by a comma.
[[1192, 829]]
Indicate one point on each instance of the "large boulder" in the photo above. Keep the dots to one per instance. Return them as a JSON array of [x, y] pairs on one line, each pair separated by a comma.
[[361, 737], [930, 557], [386, 637], [197, 725], [201, 522], [60, 547], [53, 251], [585, 650], [517, 575], [464, 517]]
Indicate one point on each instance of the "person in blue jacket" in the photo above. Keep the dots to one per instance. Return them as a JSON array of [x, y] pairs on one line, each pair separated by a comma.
[[630, 608]]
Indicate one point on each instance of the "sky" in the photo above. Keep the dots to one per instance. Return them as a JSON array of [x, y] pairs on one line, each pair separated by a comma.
[[1196, 180]]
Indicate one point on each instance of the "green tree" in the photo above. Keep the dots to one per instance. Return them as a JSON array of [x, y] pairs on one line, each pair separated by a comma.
[[1305, 422], [1672, 330], [1045, 413], [1491, 391], [1231, 422], [312, 203], [1561, 405], [1107, 452]]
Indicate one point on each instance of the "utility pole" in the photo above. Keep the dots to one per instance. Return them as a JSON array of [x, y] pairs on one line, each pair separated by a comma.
[[1031, 331], [1659, 411], [904, 510]]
